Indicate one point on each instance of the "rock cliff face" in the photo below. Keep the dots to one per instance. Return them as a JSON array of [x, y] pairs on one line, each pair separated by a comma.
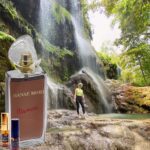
[[18, 17], [129, 99], [5, 42], [29, 9], [96, 99]]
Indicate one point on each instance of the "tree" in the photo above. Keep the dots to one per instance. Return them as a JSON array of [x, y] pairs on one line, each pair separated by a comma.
[[138, 59], [133, 16]]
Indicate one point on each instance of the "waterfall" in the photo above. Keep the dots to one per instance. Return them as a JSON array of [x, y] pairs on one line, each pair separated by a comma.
[[103, 92], [87, 54], [45, 28], [45, 18], [53, 94]]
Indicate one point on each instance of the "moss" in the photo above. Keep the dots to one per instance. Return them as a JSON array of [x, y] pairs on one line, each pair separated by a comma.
[[3, 27], [5, 41], [66, 74], [60, 13], [139, 96], [6, 37], [87, 25], [110, 67], [49, 66], [57, 51], [54, 61], [9, 7], [9, 13]]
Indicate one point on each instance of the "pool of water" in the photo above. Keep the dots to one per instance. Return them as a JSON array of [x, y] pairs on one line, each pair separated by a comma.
[[126, 116]]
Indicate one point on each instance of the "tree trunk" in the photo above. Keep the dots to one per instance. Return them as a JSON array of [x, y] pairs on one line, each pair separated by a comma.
[[139, 60]]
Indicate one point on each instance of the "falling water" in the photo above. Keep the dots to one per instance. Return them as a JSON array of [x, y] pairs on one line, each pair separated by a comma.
[[53, 94], [44, 17], [87, 54], [103, 92], [45, 22]]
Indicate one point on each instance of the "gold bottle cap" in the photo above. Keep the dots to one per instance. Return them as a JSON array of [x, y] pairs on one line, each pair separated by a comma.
[[25, 62]]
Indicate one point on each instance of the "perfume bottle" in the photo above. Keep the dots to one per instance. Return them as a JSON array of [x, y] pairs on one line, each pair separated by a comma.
[[5, 129], [15, 134], [26, 92]]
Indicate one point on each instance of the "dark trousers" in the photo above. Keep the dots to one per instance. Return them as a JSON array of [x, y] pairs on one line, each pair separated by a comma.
[[79, 100]]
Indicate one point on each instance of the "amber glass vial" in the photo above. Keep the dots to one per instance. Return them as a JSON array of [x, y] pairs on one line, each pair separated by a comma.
[[5, 129]]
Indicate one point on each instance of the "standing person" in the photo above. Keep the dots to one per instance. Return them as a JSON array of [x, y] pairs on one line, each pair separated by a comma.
[[79, 98]]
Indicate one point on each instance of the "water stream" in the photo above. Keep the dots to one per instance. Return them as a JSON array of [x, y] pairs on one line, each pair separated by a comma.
[[45, 17], [86, 52], [103, 92], [45, 22], [53, 94], [87, 55]]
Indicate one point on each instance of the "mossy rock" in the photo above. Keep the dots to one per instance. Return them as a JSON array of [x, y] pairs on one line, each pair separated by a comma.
[[5, 41], [60, 13], [2, 97], [18, 24], [138, 98]]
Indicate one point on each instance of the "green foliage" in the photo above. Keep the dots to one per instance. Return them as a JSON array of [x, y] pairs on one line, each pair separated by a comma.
[[137, 62], [3, 27], [134, 19], [110, 64], [7, 37], [60, 53], [104, 57], [5, 41], [55, 61], [139, 96], [60, 13], [9, 7], [87, 25], [133, 16], [107, 53], [94, 5], [15, 18]]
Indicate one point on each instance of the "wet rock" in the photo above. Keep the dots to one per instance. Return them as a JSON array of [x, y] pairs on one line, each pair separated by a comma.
[[97, 96], [93, 133], [145, 132], [129, 99], [29, 9], [60, 97]]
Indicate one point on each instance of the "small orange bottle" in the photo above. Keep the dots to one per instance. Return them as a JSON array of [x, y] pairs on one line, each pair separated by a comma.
[[5, 129]]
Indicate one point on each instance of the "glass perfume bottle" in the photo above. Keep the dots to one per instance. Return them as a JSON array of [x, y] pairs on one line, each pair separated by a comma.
[[15, 134], [26, 91], [5, 129]]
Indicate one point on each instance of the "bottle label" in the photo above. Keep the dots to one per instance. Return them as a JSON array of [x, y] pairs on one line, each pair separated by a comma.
[[4, 138]]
